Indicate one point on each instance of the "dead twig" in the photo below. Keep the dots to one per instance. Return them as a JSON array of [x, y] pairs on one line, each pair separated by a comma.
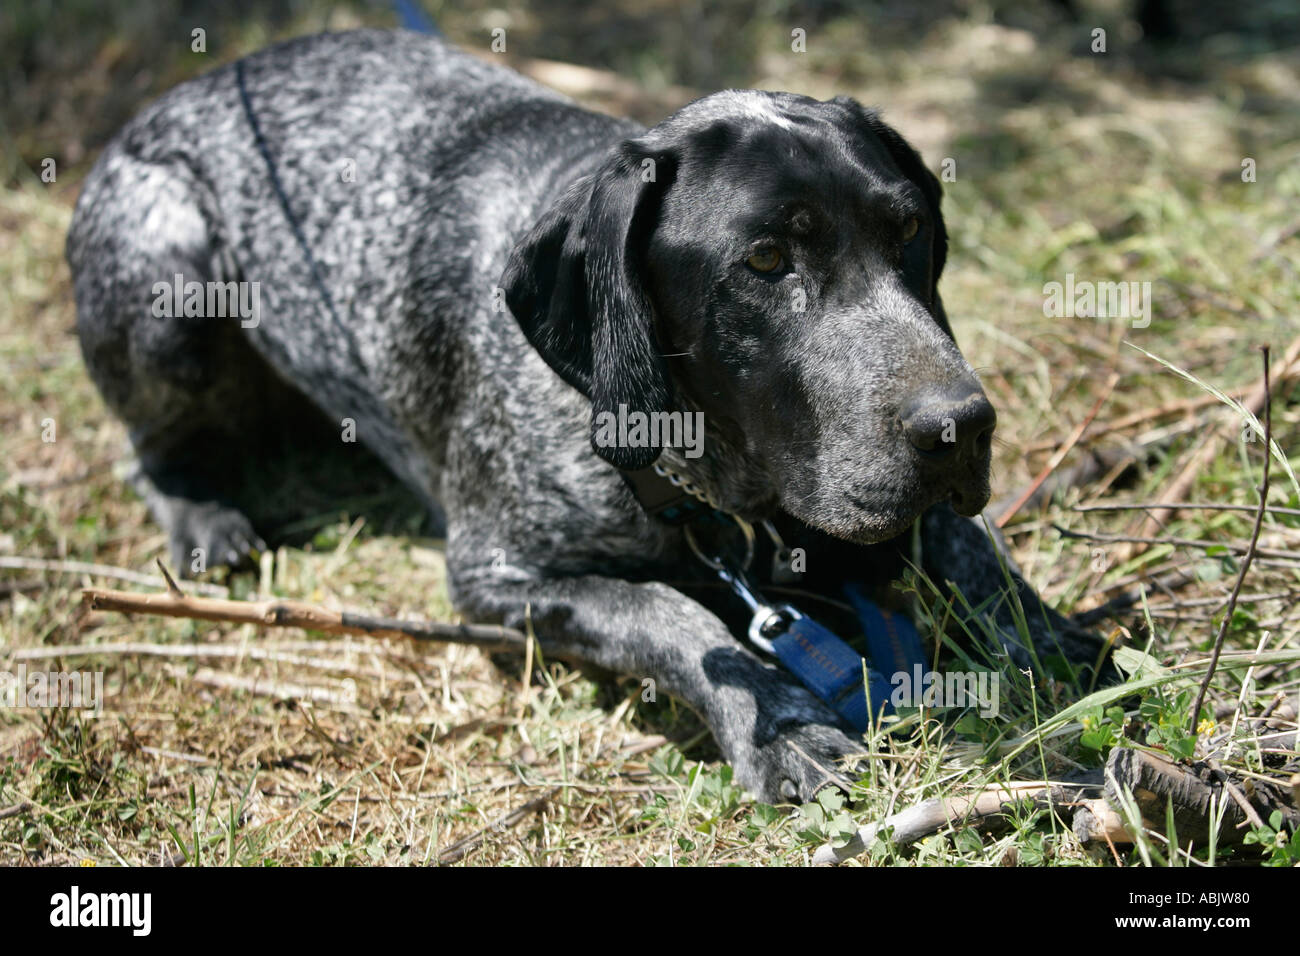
[[1185, 506], [931, 816], [239, 652], [311, 617], [1238, 797], [1279, 553], [1254, 403], [1126, 601], [99, 571], [21, 586], [341, 699], [1250, 551], [462, 847], [1157, 782], [1139, 418], [1055, 461]]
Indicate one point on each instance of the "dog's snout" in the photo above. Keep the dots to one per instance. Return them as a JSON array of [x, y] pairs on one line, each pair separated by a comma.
[[954, 426]]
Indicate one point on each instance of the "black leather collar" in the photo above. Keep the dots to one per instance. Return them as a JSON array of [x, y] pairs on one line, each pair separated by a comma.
[[663, 500]]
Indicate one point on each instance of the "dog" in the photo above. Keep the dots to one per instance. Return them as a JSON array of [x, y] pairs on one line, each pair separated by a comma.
[[501, 294]]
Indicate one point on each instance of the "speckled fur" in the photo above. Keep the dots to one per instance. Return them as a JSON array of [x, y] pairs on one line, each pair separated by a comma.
[[475, 187]]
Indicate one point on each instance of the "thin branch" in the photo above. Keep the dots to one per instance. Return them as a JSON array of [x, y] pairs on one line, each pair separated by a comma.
[[1184, 506], [99, 571], [21, 587], [1167, 583], [1138, 418], [280, 613], [1238, 797], [1255, 402], [1059, 457], [13, 811], [275, 653], [1126, 601], [1279, 553], [1250, 551], [931, 816], [458, 850]]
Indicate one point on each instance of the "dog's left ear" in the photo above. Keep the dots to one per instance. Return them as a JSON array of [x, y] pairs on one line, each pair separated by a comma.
[[910, 164], [575, 285]]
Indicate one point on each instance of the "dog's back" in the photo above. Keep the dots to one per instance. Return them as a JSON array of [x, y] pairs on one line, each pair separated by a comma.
[[407, 169]]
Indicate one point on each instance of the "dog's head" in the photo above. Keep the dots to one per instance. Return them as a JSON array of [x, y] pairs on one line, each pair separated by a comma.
[[770, 261]]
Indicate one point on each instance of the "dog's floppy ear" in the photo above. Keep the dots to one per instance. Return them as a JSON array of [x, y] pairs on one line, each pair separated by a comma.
[[910, 164], [575, 285]]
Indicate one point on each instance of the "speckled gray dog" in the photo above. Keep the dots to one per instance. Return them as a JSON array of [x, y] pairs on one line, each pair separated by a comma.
[[471, 268]]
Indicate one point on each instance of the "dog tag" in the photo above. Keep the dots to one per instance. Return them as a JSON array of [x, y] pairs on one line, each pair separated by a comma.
[[783, 571]]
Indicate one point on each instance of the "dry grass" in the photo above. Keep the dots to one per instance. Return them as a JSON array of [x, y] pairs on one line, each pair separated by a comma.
[[285, 749]]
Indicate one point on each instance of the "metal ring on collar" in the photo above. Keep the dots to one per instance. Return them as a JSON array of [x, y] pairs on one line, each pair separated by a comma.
[[746, 529]]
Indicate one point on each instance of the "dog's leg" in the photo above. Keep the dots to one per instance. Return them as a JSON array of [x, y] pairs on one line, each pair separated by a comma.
[[189, 389], [781, 741], [959, 553]]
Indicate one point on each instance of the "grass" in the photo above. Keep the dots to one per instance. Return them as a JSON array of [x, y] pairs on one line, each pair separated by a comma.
[[287, 749]]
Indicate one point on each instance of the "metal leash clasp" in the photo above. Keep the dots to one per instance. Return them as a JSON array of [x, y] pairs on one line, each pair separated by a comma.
[[826, 665], [769, 621]]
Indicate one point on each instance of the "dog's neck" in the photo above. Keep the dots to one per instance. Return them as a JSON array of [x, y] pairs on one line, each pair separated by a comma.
[[735, 480]]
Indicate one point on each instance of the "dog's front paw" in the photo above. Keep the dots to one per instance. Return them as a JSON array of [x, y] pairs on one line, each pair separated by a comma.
[[206, 534], [797, 762]]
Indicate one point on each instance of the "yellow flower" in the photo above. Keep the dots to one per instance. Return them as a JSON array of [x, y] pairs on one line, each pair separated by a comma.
[[1205, 727], [88, 863]]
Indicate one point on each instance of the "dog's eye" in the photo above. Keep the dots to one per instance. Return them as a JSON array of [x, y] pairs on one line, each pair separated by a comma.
[[766, 259], [911, 226]]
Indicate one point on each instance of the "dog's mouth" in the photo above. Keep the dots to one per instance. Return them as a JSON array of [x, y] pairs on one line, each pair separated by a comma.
[[884, 517], [868, 522], [969, 502], [865, 501]]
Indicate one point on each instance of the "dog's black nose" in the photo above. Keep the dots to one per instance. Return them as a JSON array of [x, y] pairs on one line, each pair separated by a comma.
[[953, 426]]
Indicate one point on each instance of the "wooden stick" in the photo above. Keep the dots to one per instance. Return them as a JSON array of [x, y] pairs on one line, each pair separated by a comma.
[[13, 811], [1185, 506], [280, 613], [1238, 797], [98, 571], [1152, 779], [266, 687], [1178, 489], [931, 816], [21, 587], [1156, 780], [1095, 820], [458, 850], [1280, 553], [1250, 551], [1055, 461], [1137, 418]]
